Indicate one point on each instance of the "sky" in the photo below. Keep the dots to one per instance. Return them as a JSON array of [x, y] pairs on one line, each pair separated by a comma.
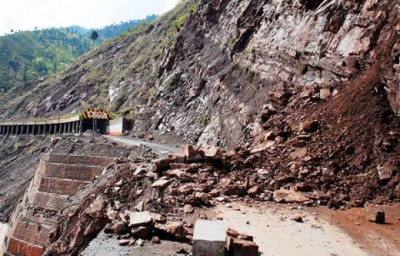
[[28, 14]]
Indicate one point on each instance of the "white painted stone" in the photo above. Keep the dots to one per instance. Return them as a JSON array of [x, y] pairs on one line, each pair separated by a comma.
[[209, 238]]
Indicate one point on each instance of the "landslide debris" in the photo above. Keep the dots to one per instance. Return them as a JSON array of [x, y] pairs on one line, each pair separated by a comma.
[[141, 201]]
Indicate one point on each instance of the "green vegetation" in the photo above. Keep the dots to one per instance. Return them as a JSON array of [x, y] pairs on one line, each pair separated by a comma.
[[25, 56], [28, 55], [129, 63], [180, 21]]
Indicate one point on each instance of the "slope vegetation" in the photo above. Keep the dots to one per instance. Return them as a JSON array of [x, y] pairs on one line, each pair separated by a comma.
[[29, 55]]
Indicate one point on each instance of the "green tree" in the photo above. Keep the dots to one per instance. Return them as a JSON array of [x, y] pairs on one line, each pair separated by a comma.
[[94, 35]]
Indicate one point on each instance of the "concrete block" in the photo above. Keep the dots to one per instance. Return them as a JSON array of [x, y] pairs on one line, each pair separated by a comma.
[[209, 238]]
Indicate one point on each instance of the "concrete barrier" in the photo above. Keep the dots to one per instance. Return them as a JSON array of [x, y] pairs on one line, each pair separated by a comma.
[[116, 127], [209, 238]]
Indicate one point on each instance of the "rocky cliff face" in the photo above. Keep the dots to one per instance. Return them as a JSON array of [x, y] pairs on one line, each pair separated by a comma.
[[208, 78], [236, 56]]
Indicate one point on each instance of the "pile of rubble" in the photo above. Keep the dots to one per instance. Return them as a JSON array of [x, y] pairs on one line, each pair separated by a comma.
[[134, 228], [199, 177]]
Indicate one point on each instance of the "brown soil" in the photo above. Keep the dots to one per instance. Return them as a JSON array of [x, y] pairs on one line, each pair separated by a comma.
[[379, 239]]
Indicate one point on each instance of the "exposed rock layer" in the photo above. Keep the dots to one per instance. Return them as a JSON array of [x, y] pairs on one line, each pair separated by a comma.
[[209, 80]]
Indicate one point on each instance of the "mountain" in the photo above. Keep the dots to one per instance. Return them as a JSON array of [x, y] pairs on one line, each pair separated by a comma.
[[303, 96], [28, 55], [113, 30], [234, 73]]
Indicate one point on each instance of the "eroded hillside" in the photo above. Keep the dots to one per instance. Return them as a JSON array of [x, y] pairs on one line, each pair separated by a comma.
[[204, 71]]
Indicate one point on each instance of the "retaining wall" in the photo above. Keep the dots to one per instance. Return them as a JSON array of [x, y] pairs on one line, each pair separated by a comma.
[[57, 178]]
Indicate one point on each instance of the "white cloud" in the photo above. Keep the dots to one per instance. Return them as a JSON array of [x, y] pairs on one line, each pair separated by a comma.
[[28, 14]]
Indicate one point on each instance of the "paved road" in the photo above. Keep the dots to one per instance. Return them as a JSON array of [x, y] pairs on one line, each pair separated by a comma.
[[276, 234], [3, 233], [161, 149]]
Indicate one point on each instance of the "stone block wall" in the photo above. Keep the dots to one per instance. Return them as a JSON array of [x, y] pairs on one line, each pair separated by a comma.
[[57, 178]]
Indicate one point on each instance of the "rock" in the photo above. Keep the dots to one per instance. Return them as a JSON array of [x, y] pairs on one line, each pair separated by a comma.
[[141, 232], [298, 218], [174, 173], [139, 172], [264, 174], [308, 126], [245, 237], [108, 229], [240, 247], [171, 228], [119, 183], [192, 154], [299, 153], [324, 93], [160, 165], [161, 184], [140, 206], [212, 152], [232, 233], [215, 192], [332, 203], [289, 196], [176, 158], [124, 242], [139, 242], [155, 240], [112, 214], [158, 218], [151, 137], [139, 219], [231, 190], [378, 217], [119, 228], [254, 191], [385, 172], [96, 207], [188, 208]]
